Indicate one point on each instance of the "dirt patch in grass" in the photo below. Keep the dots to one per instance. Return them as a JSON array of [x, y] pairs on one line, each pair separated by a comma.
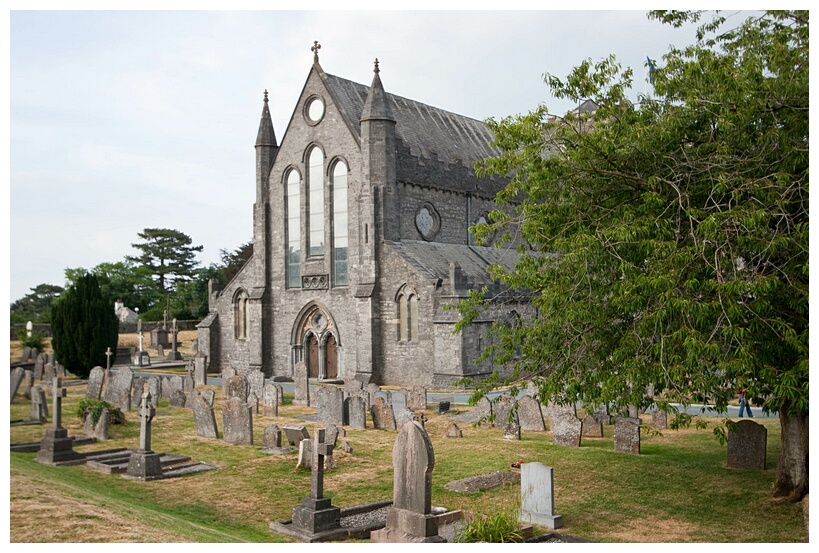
[[647, 529], [483, 482]]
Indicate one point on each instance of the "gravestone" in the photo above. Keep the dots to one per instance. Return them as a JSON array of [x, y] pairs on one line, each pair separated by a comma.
[[417, 399], [138, 389], [398, 399], [402, 416], [270, 400], [177, 398], [48, 373], [237, 422], [56, 446], [204, 417], [175, 385], [483, 408], [592, 428], [255, 383], [39, 407], [295, 434], [503, 410], [659, 418], [237, 387], [34, 353], [26, 355], [301, 385], [331, 433], [155, 389], [253, 401], [16, 378], [227, 374], [305, 456], [39, 362], [329, 403], [453, 431], [601, 413], [747, 445], [272, 436], [537, 491], [28, 382], [200, 369], [386, 395], [144, 464], [530, 415], [353, 385], [118, 388], [208, 395], [566, 427], [511, 431], [316, 513], [356, 412], [627, 434], [59, 370], [346, 447], [410, 518], [382, 414], [100, 429], [160, 350]]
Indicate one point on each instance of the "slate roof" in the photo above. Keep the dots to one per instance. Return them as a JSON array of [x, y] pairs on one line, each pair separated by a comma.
[[429, 132], [432, 259]]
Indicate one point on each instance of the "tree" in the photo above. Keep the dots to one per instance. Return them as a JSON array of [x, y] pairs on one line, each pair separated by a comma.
[[190, 299], [168, 255], [83, 327], [666, 241], [36, 305], [232, 262], [123, 280]]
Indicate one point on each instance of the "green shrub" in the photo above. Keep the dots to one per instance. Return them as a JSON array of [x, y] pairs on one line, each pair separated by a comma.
[[36, 339], [95, 407], [498, 527]]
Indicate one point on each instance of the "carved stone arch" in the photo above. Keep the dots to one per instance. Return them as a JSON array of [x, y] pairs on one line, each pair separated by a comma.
[[286, 174], [239, 301], [314, 330], [305, 155], [307, 320], [331, 166]]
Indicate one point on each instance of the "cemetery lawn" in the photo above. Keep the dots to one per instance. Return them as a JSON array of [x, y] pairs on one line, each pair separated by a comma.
[[678, 490]]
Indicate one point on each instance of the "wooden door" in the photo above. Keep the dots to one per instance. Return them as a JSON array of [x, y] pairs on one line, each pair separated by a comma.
[[331, 355], [312, 357]]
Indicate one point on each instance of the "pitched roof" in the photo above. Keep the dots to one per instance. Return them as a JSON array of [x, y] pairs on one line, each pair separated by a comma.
[[429, 132]]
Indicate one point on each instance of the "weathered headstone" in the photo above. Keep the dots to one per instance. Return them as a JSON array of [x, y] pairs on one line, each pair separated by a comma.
[[346, 447], [410, 517], [601, 413], [39, 407], [48, 373], [200, 369], [155, 389], [747, 445], [237, 422], [56, 446], [204, 417], [301, 385], [511, 431], [417, 399], [270, 400], [566, 427], [356, 412], [272, 436], [138, 389], [255, 383], [502, 408], [227, 374], [329, 403], [382, 414], [402, 416], [592, 428], [659, 418], [26, 355], [253, 401], [398, 398], [530, 415], [160, 350], [386, 395], [483, 409], [118, 389], [627, 434], [237, 387], [39, 363], [28, 382], [98, 430], [95, 381], [16, 378], [177, 398], [175, 385], [144, 464], [208, 395], [453, 431], [305, 456], [295, 434], [537, 491]]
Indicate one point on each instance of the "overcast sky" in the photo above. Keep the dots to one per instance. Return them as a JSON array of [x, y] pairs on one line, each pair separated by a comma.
[[124, 120]]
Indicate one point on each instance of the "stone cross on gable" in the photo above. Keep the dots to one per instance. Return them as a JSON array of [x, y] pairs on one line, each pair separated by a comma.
[[315, 48], [58, 393], [146, 415], [320, 451], [108, 354]]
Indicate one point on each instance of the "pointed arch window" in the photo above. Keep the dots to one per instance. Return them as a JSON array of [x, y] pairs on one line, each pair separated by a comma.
[[340, 227], [407, 300], [240, 322], [315, 178], [293, 257]]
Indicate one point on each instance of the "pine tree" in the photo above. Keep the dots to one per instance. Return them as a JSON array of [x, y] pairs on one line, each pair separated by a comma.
[[168, 255], [83, 326]]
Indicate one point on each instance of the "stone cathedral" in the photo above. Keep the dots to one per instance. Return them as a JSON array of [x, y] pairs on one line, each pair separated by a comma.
[[360, 241]]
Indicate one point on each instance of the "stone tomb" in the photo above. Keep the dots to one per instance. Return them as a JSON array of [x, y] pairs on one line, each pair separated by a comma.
[[747, 445], [627, 434], [537, 491], [410, 518]]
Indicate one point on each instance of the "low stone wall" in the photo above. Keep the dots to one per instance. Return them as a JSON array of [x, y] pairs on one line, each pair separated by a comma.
[[124, 328]]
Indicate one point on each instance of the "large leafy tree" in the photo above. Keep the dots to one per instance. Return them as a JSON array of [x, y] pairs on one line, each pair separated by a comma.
[[233, 261], [36, 305], [667, 241], [168, 255], [122, 280], [83, 327]]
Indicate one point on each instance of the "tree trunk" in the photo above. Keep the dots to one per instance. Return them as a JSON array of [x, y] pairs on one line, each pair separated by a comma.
[[792, 467]]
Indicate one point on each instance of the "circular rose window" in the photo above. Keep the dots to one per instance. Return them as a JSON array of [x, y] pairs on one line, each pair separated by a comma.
[[314, 109]]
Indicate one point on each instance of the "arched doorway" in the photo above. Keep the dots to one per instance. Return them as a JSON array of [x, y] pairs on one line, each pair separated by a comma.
[[312, 356], [331, 356]]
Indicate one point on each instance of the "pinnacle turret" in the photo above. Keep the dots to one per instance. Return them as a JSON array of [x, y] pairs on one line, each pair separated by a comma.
[[377, 105], [266, 136]]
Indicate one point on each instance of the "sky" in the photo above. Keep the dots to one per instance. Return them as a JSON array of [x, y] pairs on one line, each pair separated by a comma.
[[126, 120]]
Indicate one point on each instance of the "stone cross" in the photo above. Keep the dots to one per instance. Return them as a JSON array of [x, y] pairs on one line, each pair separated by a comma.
[[315, 48], [165, 320], [320, 451], [108, 354], [174, 330], [146, 415], [58, 393], [139, 333]]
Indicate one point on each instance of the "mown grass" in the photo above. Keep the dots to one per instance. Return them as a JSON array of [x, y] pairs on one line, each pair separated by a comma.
[[677, 490]]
